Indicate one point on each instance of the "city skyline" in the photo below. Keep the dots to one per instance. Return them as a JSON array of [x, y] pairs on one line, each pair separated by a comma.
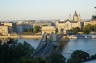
[[45, 9]]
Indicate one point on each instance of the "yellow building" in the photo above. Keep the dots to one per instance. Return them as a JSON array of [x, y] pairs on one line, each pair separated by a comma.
[[7, 24], [3, 30], [48, 29], [63, 26], [92, 22]]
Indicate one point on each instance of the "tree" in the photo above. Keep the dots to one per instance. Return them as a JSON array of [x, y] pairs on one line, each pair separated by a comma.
[[76, 30], [36, 29], [45, 25], [87, 29], [39, 60], [94, 28], [55, 58], [73, 60], [56, 30], [93, 17], [13, 51], [25, 60], [93, 56], [80, 54]]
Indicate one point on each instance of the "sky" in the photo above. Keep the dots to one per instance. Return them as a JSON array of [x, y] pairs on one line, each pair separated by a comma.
[[45, 9]]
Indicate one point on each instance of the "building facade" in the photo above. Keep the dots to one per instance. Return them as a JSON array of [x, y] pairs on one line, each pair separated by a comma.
[[10, 26], [48, 29], [92, 22], [64, 26], [3, 30], [67, 25], [7, 24], [23, 27]]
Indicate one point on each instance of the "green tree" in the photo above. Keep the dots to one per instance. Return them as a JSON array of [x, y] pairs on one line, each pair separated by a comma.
[[36, 29], [80, 54], [87, 29], [56, 30], [33, 60], [93, 56], [73, 60], [12, 51], [75, 30], [55, 58], [94, 28], [39, 60], [26, 60], [93, 17], [45, 25]]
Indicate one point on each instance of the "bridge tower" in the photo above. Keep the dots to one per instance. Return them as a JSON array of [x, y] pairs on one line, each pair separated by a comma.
[[94, 16]]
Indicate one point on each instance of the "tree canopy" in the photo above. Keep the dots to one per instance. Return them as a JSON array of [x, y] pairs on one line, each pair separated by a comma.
[[12, 51], [36, 29]]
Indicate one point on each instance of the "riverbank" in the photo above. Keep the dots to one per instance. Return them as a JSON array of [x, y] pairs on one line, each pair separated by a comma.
[[22, 36], [78, 36], [82, 36]]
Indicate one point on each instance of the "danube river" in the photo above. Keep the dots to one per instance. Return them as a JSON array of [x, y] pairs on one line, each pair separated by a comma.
[[87, 45]]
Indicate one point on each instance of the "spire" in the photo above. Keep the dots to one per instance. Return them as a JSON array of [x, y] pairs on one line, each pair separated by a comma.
[[75, 14], [76, 17]]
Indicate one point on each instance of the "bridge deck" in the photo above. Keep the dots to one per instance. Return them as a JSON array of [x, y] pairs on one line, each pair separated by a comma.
[[46, 46]]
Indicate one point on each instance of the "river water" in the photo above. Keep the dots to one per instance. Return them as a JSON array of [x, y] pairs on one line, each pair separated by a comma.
[[87, 45]]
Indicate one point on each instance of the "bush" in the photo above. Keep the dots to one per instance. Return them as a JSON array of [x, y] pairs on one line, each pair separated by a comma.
[[36, 29], [80, 54], [55, 58], [73, 60], [12, 52], [93, 56]]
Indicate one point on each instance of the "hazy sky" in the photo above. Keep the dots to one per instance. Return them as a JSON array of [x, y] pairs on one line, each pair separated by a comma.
[[45, 9]]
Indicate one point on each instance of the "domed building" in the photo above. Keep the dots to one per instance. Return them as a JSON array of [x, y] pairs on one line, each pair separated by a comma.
[[64, 26], [76, 17]]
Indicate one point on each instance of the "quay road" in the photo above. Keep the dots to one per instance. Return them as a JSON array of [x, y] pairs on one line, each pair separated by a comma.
[[22, 36], [47, 45]]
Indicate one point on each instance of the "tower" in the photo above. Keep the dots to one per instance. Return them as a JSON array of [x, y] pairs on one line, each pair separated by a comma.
[[94, 16], [76, 17]]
